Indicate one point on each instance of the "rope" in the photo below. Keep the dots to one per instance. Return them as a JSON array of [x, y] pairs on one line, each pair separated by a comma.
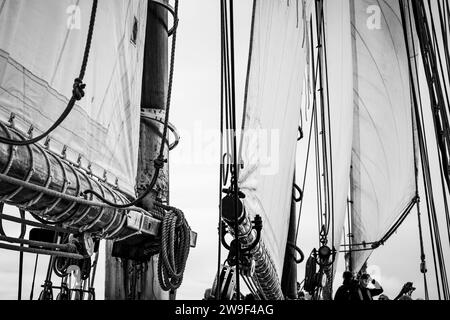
[[36, 243], [34, 277], [331, 175], [228, 95], [41, 251], [417, 99], [439, 114], [159, 161], [447, 61], [223, 175], [175, 246], [38, 225], [300, 252], [305, 174], [77, 92], [23, 230]]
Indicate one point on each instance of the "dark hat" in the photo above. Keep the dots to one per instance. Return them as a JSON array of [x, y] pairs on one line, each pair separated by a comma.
[[408, 287], [347, 275], [365, 276]]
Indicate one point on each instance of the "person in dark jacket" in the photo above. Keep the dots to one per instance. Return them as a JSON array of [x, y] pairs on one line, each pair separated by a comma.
[[365, 294], [345, 291], [406, 292]]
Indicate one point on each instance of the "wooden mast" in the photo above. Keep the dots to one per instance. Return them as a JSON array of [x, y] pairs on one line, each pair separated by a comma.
[[289, 277], [142, 279]]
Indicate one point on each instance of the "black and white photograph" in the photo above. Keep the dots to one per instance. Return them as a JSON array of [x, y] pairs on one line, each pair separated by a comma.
[[225, 155]]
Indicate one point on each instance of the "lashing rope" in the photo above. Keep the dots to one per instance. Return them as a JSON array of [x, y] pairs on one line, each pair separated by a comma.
[[77, 92]]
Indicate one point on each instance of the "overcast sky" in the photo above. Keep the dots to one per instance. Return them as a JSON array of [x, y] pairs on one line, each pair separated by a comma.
[[194, 167]]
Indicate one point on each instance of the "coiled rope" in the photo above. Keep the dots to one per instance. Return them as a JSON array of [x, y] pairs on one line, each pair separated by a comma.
[[175, 246], [77, 92]]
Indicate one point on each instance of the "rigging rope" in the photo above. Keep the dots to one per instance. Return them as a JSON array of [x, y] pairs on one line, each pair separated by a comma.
[[77, 92], [323, 143], [447, 60], [417, 102], [441, 127], [228, 93], [331, 174], [313, 113]]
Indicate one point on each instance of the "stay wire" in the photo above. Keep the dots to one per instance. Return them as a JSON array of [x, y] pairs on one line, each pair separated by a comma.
[[229, 100], [221, 173], [435, 85], [316, 148], [314, 71], [416, 123], [323, 132], [236, 190], [442, 141], [23, 230], [420, 19], [304, 177], [34, 276], [422, 144], [329, 131], [442, 74], [77, 92], [442, 20]]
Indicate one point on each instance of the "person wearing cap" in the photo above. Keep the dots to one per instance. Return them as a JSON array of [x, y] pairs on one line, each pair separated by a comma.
[[344, 292], [365, 294], [406, 292]]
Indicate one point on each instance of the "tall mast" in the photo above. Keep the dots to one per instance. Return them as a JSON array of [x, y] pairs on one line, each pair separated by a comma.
[[349, 222], [153, 99], [289, 277]]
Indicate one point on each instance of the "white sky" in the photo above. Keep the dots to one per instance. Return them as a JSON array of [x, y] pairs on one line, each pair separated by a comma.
[[194, 168]]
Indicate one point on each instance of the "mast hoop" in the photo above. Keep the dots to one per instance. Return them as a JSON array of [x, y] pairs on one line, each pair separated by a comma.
[[152, 114], [171, 10]]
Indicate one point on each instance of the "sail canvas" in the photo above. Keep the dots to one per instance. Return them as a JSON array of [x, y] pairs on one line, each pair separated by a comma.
[[41, 50], [271, 119], [383, 177], [340, 86]]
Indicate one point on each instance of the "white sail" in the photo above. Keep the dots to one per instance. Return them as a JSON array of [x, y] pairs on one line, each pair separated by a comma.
[[340, 86], [271, 116], [383, 177], [41, 50]]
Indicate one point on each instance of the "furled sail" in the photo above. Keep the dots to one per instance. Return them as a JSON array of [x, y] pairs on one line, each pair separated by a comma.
[[383, 177], [271, 118], [41, 50]]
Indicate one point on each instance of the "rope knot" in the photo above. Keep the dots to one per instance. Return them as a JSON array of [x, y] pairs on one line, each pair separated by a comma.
[[78, 89], [159, 163]]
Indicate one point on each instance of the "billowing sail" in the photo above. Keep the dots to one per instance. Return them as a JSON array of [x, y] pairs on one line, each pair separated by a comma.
[[41, 50], [383, 177], [339, 66], [271, 118]]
